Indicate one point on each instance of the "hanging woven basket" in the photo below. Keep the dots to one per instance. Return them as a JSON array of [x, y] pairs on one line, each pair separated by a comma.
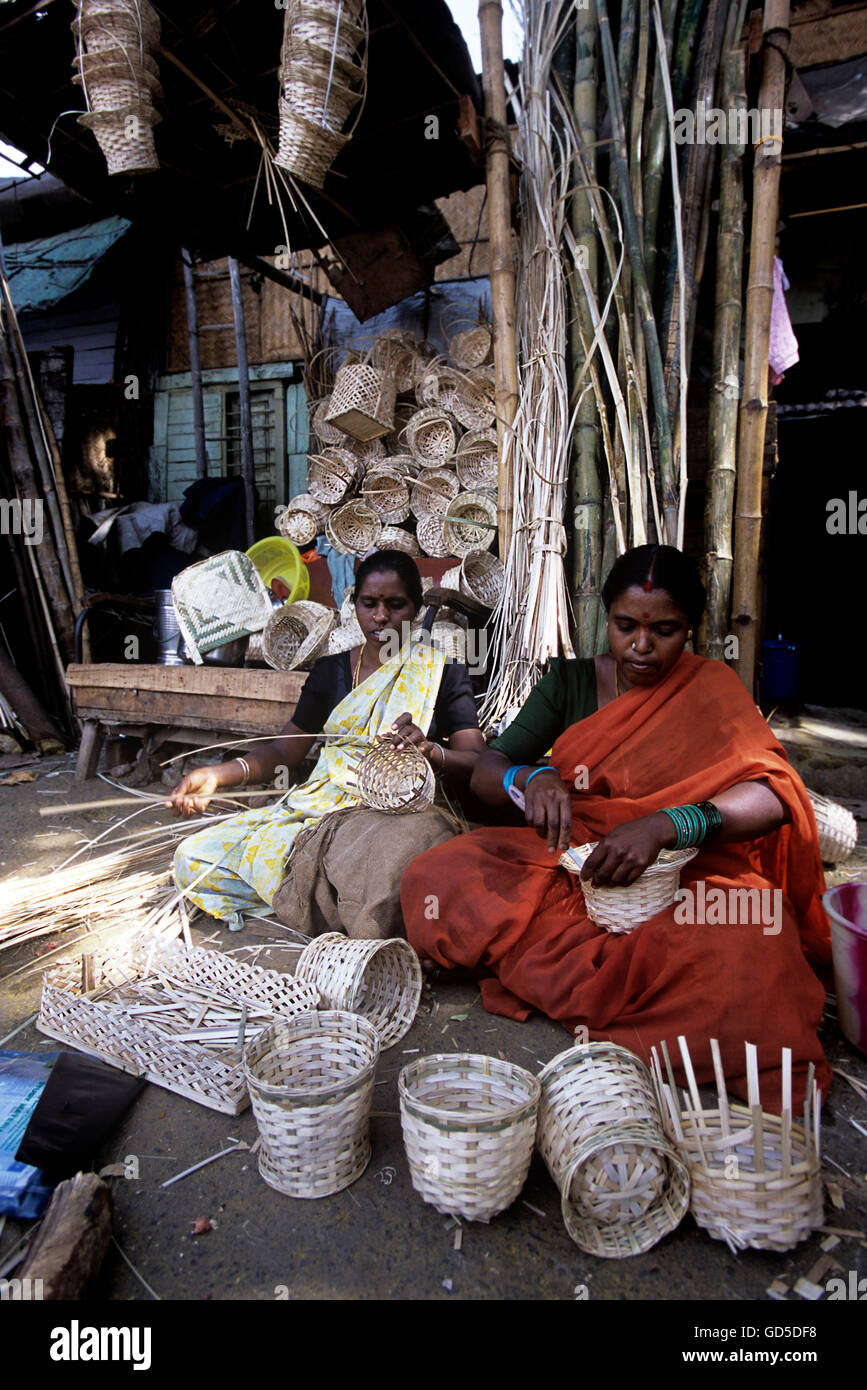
[[296, 634], [113, 80], [473, 347], [472, 401], [125, 137], [470, 522], [433, 490], [429, 531], [468, 1125], [318, 25], [396, 780], [353, 528], [304, 148], [386, 492], [362, 401], [332, 474], [621, 910], [837, 827], [134, 26], [430, 436], [381, 980], [482, 577], [477, 459], [310, 95]]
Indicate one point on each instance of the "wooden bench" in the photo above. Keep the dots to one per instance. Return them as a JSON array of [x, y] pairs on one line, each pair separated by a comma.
[[177, 704]]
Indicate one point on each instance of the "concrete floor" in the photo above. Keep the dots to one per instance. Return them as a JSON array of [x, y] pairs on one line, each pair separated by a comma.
[[377, 1239]]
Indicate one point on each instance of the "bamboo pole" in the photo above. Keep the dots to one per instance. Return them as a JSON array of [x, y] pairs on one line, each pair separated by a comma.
[[725, 386], [195, 365], [746, 599], [244, 400], [657, 144], [502, 268]]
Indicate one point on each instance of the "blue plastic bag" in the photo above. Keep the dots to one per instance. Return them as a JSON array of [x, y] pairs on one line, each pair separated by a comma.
[[24, 1191]]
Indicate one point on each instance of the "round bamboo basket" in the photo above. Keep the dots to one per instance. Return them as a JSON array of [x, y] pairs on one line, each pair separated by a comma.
[[324, 432], [477, 459], [623, 1185], [367, 452], [305, 148], [470, 522], [381, 980], [395, 538], [396, 351], [394, 441], [433, 490], [472, 401], [331, 475], [295, 635], [353, 528], [429, 530], [482, 577], [473, 347], [623, 909], [125, 137], [303, 519], [431, 436], [837, 827], [362, 401], [469, 1123], [436, 384], [310, 1080], [396, 780], [386, 493]]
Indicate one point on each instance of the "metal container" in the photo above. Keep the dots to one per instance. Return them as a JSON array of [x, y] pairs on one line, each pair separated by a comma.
[[166, 631]]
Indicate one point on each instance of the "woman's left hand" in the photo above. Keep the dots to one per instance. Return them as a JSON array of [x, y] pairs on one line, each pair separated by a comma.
[[626, 851], [405, 734]]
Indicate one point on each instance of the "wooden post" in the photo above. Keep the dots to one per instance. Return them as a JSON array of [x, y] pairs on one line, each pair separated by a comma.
[[746, 598], [195, 365], [71, 1242], [502, 269], [244, 398]]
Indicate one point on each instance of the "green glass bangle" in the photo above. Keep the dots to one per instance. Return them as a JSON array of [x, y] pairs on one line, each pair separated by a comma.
[[694, 824]]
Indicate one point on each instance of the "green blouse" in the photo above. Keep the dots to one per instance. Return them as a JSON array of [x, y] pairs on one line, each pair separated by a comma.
[[564, 695]]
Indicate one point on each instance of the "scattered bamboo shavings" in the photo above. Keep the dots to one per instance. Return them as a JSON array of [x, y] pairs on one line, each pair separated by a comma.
[[140, 1277], [807, 1290], [831, 1243], [20, 1029], [778, 1289], [835, 1192], [860, 1128], [459, 1236], [857, 1086], [237, 1147], [538, 1211], [842, 1231], [821, 1268], [834, 1164]]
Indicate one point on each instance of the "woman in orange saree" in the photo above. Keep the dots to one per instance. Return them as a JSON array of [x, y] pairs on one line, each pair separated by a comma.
[[670, 729]]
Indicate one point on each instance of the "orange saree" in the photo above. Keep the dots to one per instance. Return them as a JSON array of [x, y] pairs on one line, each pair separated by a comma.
[[496, 899]]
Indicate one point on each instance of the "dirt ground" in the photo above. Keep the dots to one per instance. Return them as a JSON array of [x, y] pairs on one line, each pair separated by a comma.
[[377, 1239]]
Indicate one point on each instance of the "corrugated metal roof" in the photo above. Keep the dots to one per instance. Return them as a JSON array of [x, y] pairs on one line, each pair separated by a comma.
[[45, 271]]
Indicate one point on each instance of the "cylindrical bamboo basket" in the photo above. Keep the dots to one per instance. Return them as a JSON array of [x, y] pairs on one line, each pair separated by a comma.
[[296, 634], [125, 137], [395, 780], [470, 522], [837, 827], [362, 401], [305, 148], [353, 528], [482, 577], [114, 80], [623, 909], [386, 492], [311, 1086], [623, 1186], [430, 436], [468, 1124], [381, 980], [477, 459], [433, 490], [331, 475]]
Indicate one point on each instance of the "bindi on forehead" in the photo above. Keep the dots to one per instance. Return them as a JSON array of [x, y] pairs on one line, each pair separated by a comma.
[[645, 617]]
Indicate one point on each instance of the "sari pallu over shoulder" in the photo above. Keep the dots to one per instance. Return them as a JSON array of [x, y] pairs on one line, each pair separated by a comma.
[[505, 906]]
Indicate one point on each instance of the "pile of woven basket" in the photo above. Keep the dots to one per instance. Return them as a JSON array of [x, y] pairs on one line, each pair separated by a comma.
[[322, 73], [119, 79]]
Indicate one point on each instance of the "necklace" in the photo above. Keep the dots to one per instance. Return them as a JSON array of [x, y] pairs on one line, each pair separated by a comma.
[[358, 666]]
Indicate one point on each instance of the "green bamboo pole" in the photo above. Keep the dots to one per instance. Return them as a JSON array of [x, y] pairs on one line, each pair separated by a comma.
[[657, 146], [723, 414], [684, 47]]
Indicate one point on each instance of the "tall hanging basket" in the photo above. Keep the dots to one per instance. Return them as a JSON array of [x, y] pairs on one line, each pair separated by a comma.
[[482, 577], [381, 980], [623, 1185], [134, 25], [362, 401], [353, 529], [837, 827], [623, 909], [311, 1088], [430, 436], [125, 137], [304, 148], [325, 104], [396, 780], [112, 81], [386, 493], [469, 1123], [295, 635], [756, 1177], [476, 459], [433, 490], [470, 522], [331, 475]]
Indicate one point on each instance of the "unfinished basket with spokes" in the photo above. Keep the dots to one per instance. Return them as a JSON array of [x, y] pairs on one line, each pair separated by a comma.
[[362, 401], [431, 436], [331, 475], [477, 459], [311, 1087], [623, 1186], [353, 528], [837, 827], [386, 492], [756, 1177], [623, 909], [429, 530], [381, 980], [432, 491], [396, 538], [295, 635], [482, 577], [470, 522], [469, 1123], [397, 780]]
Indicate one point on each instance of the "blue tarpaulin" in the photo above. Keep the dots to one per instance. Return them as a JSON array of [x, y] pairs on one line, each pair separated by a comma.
[[43, 272]]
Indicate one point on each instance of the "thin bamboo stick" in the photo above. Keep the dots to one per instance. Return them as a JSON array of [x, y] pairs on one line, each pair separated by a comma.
[[657, 144], [746, 601], [755, 1106]]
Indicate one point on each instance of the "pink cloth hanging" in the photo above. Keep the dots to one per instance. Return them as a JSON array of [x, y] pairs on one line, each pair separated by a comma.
[[783, 347]]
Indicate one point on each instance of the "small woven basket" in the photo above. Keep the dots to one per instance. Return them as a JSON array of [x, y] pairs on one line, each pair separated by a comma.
[[477, 459], [125, 137], [324, 432], [311, 1087], [303, 519], [470, 522], [623, 1185], [296, 634], [623, 909], [397, 351], [331, 475], [380, 980], [472, 400], [756, 1177], [367, 452], [353, 529], [429, 530], [396, 780], [469, 1123], [433, 490], [482, 577], [395, 538], [473, 347], [431, 436], [386, 493], [362, 401], [837, 827], [436, 384]]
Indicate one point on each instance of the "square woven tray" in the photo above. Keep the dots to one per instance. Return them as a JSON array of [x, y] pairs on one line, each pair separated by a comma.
[[109, 1028]]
